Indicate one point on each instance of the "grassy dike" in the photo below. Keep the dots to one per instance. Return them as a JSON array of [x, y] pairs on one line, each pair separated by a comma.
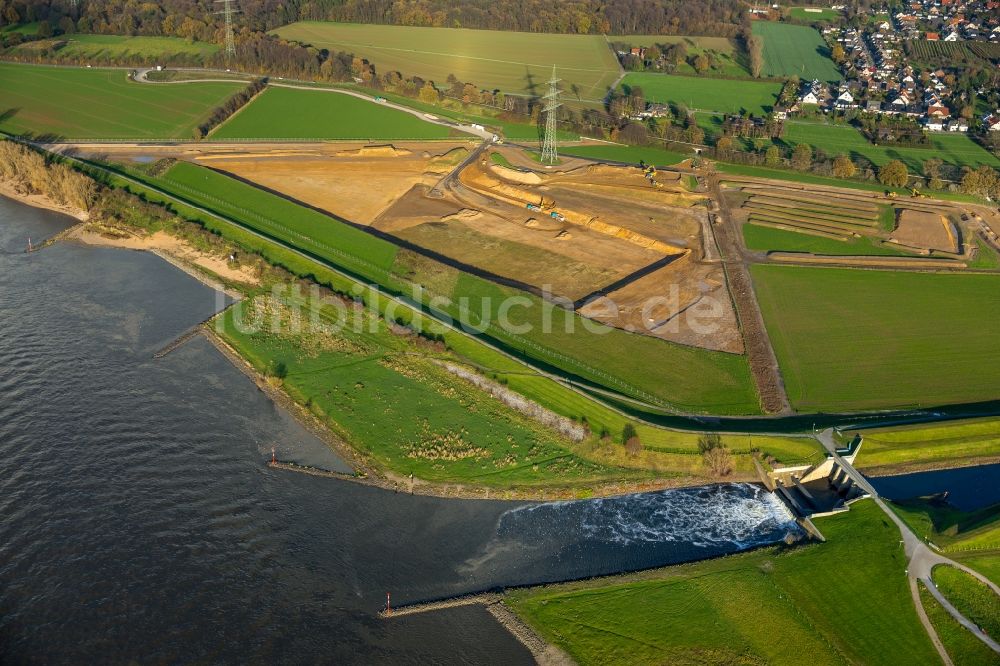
[[843, 601], [912, 448]]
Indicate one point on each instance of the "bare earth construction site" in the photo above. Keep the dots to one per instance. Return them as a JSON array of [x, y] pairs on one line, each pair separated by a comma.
[[656, 253], [602, 240]]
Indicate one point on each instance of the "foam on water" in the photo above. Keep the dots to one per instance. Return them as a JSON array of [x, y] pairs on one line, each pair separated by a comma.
[[737, 515]]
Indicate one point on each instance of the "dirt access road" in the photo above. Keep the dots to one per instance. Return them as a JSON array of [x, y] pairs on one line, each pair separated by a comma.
[[760, 353]]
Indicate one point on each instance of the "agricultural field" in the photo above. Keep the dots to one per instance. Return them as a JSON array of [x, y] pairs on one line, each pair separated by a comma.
[[953, 148], [102, 104], [963, 647], [287, 113], [514, 62], [851, 339], [117, 49], [934, 54], [888, 450], [813, 14], [970, 596], [795, 50], [706, 94], [758, 607]]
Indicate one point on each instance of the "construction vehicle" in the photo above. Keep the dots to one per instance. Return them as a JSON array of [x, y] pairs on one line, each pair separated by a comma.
[[532, 206], [890, 195], [914, 192], [557, 216]]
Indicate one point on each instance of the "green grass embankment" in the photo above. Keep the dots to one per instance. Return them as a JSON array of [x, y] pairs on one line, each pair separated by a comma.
[[949, 444], [950, 529], [774, 606]]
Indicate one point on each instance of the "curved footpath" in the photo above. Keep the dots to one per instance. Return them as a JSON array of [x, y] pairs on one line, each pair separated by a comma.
[[141, 76], [921, 560]]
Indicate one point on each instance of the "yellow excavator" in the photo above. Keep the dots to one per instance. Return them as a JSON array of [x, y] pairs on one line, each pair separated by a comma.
[[914, 192]]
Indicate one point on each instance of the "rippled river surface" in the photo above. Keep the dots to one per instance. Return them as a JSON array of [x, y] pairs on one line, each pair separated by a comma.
[[139, 521]]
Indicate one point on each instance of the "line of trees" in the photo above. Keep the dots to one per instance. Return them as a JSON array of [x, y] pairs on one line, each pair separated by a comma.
[[222, 112]]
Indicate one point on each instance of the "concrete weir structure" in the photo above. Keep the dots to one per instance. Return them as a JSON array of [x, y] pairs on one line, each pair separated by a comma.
[[820, 489]]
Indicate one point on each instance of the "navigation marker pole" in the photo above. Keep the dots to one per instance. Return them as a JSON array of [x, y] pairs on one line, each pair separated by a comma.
[[227, 12], [550, 154], [273, 459], [388, 605]]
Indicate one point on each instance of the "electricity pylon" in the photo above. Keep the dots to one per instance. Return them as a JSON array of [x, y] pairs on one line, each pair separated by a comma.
[[550, 154], [227, 12]]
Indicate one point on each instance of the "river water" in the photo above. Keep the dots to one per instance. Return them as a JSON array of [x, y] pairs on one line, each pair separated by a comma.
[[968, 488], [139, 521]]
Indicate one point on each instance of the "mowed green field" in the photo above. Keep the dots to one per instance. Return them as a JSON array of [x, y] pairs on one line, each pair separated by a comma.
[[287, 113], [517, 62], [953, 148], [850, 339], [102, 104], [795, 50], [707, 94], [764, 607], [118, 47]]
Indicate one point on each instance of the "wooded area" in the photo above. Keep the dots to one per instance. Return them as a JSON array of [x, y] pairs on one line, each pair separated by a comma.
[[195, 18]]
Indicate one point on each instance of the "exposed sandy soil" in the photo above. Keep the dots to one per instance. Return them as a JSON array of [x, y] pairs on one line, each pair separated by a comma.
[[621, 239], [926, 231], [356, 184], [686, 302], [9, 190], [172, 246]]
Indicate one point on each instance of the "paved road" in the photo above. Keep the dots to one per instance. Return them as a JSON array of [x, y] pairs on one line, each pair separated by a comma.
[[921, 559]]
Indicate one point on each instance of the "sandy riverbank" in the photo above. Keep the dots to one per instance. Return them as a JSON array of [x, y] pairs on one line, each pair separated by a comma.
[[162, 242], [11, 191]]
